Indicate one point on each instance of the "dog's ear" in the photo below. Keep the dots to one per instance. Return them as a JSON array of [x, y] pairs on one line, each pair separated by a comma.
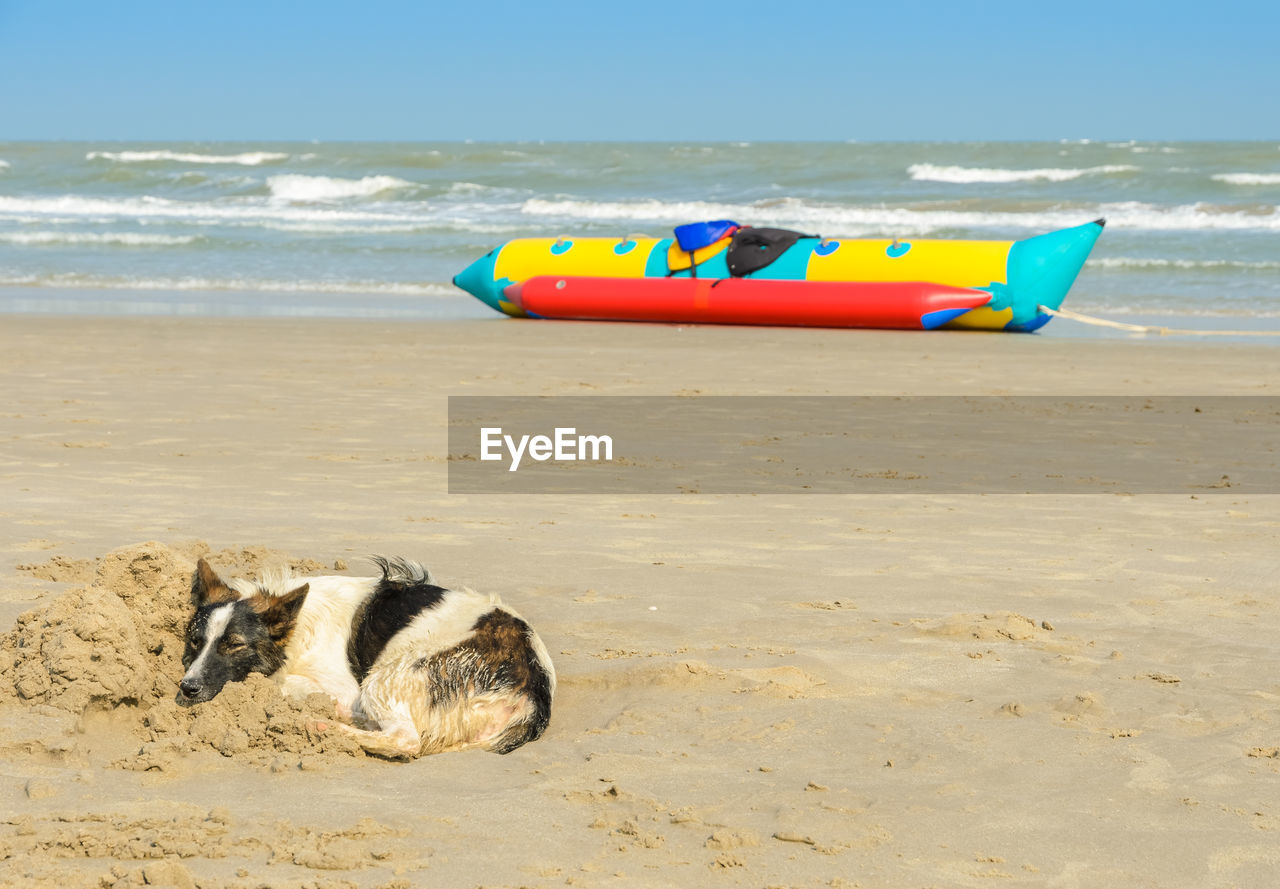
[[207, 588], [280, 613]]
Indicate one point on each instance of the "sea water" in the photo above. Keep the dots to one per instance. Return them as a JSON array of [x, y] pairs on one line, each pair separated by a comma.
[[379, 229]]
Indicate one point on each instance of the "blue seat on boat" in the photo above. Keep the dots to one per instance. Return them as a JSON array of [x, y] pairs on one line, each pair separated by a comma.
[[697, 235]]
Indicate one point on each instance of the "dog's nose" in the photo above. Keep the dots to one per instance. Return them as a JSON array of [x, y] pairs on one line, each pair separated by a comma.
[[189, 687]]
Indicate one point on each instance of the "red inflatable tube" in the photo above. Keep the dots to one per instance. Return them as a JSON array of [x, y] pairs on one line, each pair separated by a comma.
[[908, 305]]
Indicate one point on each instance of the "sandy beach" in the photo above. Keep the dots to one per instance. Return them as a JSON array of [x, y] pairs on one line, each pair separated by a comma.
[[754, 691]]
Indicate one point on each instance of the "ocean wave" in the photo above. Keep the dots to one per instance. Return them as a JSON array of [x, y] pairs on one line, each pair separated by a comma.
[[252, 285], [305, 189], [1136, 148], [567, 212], [121, 239], [340, 228], [1163, 312], [1248, 178], [4, 164], [1138, 262], [260, 212], [470, 188], [83, 208], [966, 175], [391, 228], [264, 213], [248, 158], [833, 220]]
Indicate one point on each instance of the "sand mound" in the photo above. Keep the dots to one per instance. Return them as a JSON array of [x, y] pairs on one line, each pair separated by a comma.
[[248, 720], [117, 646], [996, 626], [154, 584], [82, 651]]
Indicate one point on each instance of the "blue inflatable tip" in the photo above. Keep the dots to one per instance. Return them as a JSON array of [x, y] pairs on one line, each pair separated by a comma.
[[1042, 269], [934, 320], [477, 279]]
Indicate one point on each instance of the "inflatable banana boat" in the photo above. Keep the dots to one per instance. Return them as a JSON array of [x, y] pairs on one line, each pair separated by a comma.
[[720, 272]]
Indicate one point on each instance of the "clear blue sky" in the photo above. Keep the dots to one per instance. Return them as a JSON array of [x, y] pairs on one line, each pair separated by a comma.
[[610, 69]]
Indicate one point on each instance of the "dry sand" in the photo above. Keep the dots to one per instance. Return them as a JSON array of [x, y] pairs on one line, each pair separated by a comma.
[[816, 691]]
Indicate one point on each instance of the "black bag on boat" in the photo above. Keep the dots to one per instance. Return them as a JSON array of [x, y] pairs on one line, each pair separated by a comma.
[[754, 248]]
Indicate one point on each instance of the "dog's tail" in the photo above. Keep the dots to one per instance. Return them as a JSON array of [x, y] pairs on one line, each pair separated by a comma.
[[406, 571]]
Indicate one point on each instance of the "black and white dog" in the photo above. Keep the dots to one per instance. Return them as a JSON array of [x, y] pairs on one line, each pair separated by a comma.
[[419, 668]]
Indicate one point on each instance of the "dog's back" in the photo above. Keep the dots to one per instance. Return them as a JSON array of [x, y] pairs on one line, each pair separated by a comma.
[[476, 673]]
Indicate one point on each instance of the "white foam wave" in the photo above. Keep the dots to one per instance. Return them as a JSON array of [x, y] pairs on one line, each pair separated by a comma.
[[1248, 178], [341, 228], [4, 164], [966, 175], [833, 220], [261, 213], [253, 285], [483, 216], [122, 239], [304, 189], [391, 228], [1139, 262], [248, 158], [1163, 312], [472, 188], [81, 208]]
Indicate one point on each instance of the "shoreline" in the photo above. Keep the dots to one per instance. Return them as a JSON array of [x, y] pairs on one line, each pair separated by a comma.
[[720, 358], [71, 303]]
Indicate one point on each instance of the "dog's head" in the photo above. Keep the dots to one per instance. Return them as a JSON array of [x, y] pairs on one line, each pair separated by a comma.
[[231, 636]]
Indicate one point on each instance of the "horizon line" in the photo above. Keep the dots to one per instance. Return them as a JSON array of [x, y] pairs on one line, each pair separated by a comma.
[[1063, 140]]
